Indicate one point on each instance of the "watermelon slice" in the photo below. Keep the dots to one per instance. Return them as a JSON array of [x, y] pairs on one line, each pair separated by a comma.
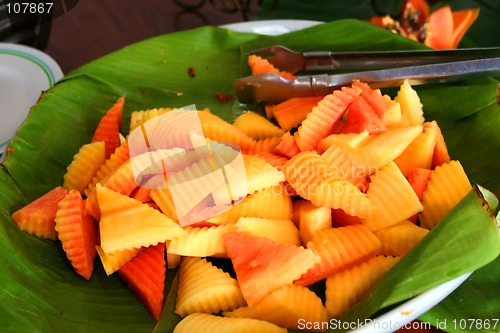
[[77, 233], [37, 217], [262, 265], [145, 276]]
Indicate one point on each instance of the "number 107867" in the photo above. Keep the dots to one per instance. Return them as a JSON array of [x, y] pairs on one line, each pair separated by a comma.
[[29, 7]]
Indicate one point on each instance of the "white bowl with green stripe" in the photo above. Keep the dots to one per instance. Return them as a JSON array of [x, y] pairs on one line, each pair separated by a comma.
[[25, 73]]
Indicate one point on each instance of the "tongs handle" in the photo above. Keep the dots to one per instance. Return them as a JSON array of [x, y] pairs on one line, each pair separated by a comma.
[[324, 61], [270, 87], [294, 61]]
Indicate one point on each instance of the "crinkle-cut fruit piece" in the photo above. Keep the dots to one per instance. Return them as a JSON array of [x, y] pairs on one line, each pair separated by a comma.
[[217, 129], [447, 185], [203, 323], [339, 248], [277, 161], [342, 219], [286, 307], [419, 152], [280, 231], [310, 175], [350, 140], [343, 167], [290, 113], [260, 65], [204, 288], [287, 146], [83, 168], [120, 156], [263, 146], [361, 116], [345, 288], [141, 194], [108, 129], [399, 239], [122, 180], [202, 242], [37, 217], [137, 118], [262, 265], [257, 126], [163, 198], [440, 155], [313, 219], [272, 202], [393, 197], [113, 261], [260, 174], [412, 113], [127, 223], [77, 233], [392, 115], [145, 276], [319, 122]]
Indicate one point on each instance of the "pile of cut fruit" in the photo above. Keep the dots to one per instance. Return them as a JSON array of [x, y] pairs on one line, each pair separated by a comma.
[[340, 187]]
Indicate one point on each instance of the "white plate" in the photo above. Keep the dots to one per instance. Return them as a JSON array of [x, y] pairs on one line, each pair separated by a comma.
[[25, 73], [410, 310]]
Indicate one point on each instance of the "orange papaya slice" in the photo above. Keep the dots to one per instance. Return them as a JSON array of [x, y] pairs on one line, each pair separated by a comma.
[[145, 276], [108, 129], [77, 233], [37, 217], [260, 65]]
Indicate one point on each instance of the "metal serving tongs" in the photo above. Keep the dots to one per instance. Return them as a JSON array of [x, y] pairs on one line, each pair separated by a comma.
[[384, 69]]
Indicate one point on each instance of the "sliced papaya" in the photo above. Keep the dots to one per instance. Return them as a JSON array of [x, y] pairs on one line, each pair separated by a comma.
[[77, 233], [145, 276], [38, 217], [108, 129]]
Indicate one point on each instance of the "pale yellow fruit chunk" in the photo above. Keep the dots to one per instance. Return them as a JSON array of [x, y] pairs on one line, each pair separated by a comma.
[[412, 113], [204, 323], [447, 185], [204, 288]]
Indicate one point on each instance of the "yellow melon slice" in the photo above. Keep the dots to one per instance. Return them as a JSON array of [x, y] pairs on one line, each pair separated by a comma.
[[127, 223], [203, 323], [204, 288], [280, 231], [412, 113], [272, 203], [113, 261], [287, 307], [137, 118], [399, 239], [83, 168], [345, 288], [313, 219], [419, 152], [393, 197], [257, 126], [201, 242], [261, 174], [447, 185]]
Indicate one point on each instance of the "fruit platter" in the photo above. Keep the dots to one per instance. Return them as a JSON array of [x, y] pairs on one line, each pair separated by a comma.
[[117, 256]]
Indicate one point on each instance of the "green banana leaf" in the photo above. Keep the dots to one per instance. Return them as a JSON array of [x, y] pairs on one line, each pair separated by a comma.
[[39, 290]]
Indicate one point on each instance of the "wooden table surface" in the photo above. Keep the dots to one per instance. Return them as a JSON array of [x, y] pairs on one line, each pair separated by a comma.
[[94, 28]]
